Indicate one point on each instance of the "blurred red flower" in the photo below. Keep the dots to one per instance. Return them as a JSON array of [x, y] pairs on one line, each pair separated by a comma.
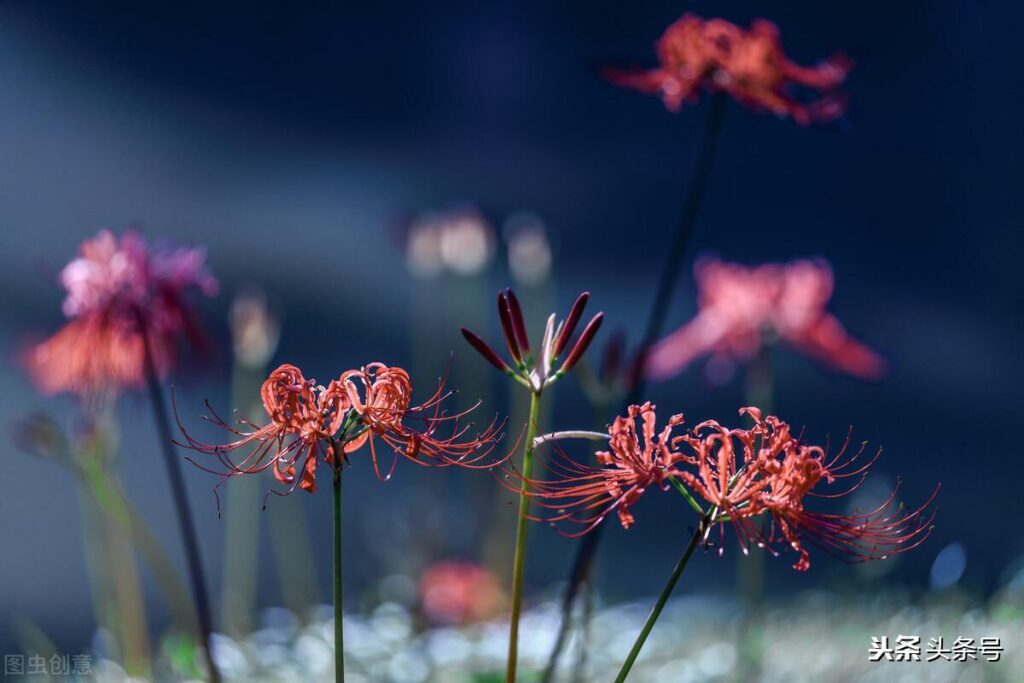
[[118, 290], [459, 593], [750, 65], [738, 307]]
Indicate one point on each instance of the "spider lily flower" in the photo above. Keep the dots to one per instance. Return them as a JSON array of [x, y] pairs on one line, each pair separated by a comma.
[[774, 477], [380, 396], [304, 419], [540, 373], [749, 478], [740, 307], [748, 64], [635, 462], [310, 423], [120, 295]]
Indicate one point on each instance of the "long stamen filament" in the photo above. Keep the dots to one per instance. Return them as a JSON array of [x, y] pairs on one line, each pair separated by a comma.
[[570, 434]]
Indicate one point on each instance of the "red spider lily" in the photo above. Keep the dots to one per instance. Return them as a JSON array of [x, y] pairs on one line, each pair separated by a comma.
[[380, 396], [739, 306], [747, 476], [118, 291], [775, 476], [750, 65], [555, 341], [304, 419], [585, 495], [310, 422]]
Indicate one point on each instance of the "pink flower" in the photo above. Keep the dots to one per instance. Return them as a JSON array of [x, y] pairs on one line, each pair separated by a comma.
[[740, 307], [119, 294], [124, 277]]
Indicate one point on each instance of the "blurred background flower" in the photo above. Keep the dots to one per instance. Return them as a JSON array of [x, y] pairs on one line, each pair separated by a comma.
[[459, 593], [749, 64], [743, 309]]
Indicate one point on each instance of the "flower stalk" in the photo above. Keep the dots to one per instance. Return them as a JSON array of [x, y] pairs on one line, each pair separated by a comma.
[[339, 639], [184, 514], [519, 561], [698, 536], [536, 374], [693, 198]]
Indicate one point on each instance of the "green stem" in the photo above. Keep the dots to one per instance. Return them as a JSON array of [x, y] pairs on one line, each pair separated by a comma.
[[686, 494], [110, 497], [339, 640], [520, 556], [662, 599]]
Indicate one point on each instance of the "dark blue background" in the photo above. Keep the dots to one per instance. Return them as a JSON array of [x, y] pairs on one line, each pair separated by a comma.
[[293, 140]]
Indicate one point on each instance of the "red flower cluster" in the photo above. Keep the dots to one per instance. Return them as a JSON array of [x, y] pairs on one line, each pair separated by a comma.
[[585, 495], [121, 294], [757, 479], [750, 65], [740, 306], [310, 422]]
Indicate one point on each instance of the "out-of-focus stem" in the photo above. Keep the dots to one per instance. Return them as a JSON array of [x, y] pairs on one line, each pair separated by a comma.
[[241, 536], [468, 302], [290, 542], [97, 559], [673, 579], [131, 610], [587, 611], [696, 188], [184, 514], [111, 499], [760, 389], [123, 604], [600, 416], [339, 639], [519, 561], [750, 567]]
